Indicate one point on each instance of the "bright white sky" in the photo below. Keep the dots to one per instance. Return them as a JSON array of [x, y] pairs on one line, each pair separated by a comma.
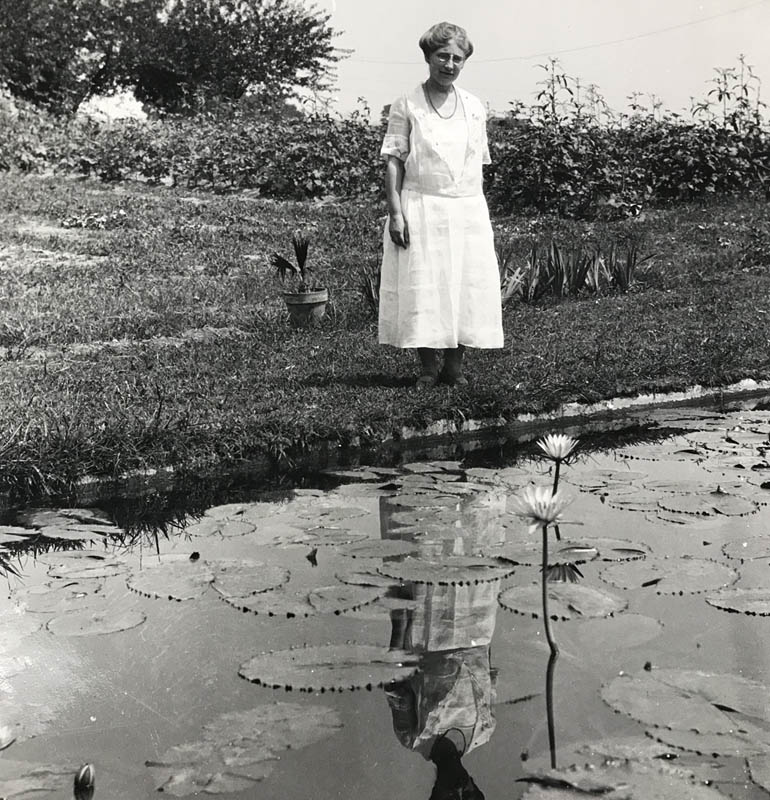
[[666, 47]]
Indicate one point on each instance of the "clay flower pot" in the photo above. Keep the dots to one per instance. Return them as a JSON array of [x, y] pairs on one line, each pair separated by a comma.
[[306, 309]]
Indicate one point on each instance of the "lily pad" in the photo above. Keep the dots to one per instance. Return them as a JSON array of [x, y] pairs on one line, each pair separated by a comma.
[[41, 517], [424, 500], [355, 474], [672, 451], [7, 737], [364, 578], [608, 548], [577, 551], [379, 548], [620, 780], [81, 564], [759, 770], [565, 601], [61, 596], [95, 623], [452, 570], [327, 516], [177, 578], [332, 667], [690, 700], [281, 602], [734, 744], [343, 597], [671, 575], [709, 504], [221, 529], [240, 748], [434, 516], [600, 478], [691, 521], [327, 537], [645, 749], [530, 554], [69, 534], [747, 549], [24, 779], [636, 500], [753, 602], [613, 635], [244, 577], [292, 604]]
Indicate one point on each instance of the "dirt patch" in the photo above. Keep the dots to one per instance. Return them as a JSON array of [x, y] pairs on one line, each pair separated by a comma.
[[24, 259], [44, 230], [120, 347]]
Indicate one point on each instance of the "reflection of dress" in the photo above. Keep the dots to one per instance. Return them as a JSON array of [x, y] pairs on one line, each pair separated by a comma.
[[443, 289], [452, 691]]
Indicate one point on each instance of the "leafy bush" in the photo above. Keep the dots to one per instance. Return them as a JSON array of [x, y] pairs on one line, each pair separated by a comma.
[[551, 158]]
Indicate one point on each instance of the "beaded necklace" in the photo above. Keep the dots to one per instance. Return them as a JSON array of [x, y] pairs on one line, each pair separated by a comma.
[[430, 100]]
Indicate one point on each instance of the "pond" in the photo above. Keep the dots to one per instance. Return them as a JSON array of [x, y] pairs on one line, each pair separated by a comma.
[[383, 637]]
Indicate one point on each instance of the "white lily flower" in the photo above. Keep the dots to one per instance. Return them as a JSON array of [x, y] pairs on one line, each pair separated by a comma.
[[557, 446], [540, 506]]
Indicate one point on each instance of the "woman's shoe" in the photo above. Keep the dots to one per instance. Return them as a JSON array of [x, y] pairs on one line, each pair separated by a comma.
[[452, 380], [426, 381]]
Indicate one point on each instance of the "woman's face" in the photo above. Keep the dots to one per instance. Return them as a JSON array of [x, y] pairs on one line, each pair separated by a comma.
[[446, 63]]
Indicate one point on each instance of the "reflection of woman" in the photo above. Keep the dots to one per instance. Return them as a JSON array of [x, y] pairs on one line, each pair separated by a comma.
[[440, 285], [445, 710]]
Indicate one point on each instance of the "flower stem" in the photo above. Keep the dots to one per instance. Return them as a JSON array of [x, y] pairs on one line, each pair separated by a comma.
[[549, 706], [553, 491], [546, 619]]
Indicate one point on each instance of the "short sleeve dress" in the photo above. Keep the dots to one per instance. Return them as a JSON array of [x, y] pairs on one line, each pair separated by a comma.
[[443, 290]]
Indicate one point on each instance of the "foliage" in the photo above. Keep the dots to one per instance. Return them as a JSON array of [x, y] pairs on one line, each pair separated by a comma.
[[298, 273], [57, 54], [571, 270], [567, 154], [203, 50], [177, 57]]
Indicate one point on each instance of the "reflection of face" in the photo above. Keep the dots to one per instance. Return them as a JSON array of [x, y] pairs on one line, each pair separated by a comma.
[[446, 63]]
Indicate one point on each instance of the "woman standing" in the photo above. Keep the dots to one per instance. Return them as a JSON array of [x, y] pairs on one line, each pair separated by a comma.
[[440, 286]]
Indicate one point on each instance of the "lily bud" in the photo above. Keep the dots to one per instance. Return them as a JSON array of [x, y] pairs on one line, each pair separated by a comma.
[[84, 782]]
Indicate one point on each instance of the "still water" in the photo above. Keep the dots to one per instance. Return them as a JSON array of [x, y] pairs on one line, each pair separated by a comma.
[[383, 637]]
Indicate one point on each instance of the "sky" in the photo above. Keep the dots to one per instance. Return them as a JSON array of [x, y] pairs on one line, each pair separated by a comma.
[[666, 48]]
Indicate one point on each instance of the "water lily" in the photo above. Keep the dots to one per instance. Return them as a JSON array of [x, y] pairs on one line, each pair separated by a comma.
[[557, 446], [540, 505]]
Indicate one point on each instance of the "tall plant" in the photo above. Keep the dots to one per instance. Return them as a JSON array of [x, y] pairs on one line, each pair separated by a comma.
[[542, 507]]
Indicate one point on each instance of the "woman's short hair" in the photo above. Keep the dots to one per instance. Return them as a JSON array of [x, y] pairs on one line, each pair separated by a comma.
[[442, 33]]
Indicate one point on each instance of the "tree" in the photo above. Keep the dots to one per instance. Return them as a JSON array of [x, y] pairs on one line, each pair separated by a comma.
[[57, 53], [205, 49], [177, 55]]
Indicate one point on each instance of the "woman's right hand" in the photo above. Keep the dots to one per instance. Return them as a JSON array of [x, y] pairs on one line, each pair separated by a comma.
[[399, 231]]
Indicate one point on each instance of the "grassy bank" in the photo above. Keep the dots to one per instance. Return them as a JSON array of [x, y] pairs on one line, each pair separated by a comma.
[[142, 327]]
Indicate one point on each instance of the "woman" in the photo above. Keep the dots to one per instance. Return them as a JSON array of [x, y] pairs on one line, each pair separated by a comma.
[[440, 286]]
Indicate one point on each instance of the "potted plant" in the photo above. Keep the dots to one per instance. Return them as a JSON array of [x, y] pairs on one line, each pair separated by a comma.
[[306, 303]]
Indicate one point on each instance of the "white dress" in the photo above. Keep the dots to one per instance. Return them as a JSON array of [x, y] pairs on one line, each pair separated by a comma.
[[443, 290]]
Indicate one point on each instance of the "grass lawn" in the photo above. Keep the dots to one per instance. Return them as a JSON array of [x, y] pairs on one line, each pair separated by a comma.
[[143, 327]]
